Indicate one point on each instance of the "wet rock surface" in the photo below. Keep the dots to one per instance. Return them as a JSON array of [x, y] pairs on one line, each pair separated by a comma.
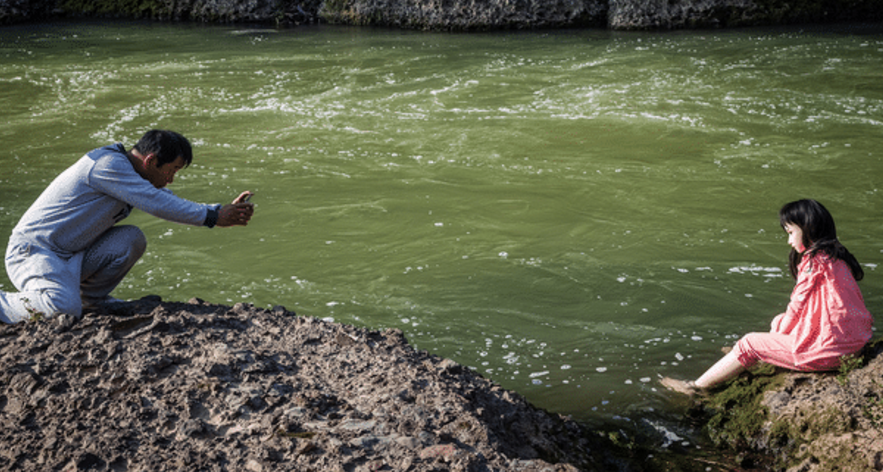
[[156, 386]]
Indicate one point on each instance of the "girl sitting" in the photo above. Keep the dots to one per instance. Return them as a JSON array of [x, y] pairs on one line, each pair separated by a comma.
[[826, 317]]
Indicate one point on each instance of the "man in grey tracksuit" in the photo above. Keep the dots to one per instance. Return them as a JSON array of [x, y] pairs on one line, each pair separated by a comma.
[[68, 251]]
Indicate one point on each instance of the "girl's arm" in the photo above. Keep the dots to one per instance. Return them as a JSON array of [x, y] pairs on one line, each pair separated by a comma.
[[782, 324], [807, 281]]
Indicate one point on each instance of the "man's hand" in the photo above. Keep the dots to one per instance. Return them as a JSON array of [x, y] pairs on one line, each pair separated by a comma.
[[237, 213]]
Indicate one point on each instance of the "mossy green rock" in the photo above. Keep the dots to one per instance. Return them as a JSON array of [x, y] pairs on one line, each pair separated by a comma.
[[805, 421]]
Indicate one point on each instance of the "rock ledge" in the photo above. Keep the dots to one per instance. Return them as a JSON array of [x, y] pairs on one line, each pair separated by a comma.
[[804, 422], [156, 386]]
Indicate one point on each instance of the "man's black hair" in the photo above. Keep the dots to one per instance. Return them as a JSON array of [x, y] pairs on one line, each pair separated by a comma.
[[167, 145]]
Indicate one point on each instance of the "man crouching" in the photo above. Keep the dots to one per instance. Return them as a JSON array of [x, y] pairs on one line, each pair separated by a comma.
[[68, 252]]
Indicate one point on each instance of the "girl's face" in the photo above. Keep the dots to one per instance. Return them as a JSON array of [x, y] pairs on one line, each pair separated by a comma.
[[795, 237]]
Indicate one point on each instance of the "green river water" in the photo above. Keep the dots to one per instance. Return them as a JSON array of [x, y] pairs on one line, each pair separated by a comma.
[[570, 213]]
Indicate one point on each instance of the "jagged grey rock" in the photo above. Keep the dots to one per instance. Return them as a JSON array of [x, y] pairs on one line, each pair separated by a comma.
[[193, 386]]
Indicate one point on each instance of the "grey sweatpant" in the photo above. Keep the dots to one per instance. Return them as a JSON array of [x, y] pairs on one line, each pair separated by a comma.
[[53, 284]]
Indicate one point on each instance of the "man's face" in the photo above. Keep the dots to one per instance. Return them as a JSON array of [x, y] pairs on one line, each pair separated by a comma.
[[162, 175]]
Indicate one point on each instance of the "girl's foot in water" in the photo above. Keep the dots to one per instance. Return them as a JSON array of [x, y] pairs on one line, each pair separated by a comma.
[[686, 387]]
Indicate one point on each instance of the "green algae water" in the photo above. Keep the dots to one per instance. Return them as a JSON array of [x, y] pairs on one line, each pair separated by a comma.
[[569, 213]]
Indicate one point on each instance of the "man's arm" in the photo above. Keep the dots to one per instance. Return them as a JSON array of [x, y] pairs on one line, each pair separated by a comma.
[[115, 177]]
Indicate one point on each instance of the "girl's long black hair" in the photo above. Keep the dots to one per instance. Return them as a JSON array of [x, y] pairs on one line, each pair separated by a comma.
[[819, 235]]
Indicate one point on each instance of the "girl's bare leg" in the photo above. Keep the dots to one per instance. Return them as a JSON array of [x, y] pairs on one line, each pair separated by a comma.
[[725, 369]]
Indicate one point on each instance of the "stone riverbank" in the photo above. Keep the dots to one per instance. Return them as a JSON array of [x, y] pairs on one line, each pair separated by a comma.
[[460, 15], [801, 422], [154, 386], [161, 386]]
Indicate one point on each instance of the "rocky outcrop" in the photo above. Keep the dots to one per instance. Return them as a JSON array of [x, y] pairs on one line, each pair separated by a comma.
[[459, 15], [462, 15], [18, 11], [271, 12], [613, 14], [173, 386], [152, 385], [805, 422], [679, 14]]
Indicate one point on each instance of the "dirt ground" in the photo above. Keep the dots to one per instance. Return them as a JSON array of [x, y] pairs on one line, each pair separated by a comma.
[[158, 386]]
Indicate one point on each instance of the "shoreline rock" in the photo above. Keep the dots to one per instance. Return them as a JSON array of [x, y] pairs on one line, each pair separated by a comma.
[[460, 15], [163, 386], [158, 386], [803, 422]]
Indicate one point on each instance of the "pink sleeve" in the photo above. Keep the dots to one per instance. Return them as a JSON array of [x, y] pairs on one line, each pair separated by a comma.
[[777, 326], [808, 279]]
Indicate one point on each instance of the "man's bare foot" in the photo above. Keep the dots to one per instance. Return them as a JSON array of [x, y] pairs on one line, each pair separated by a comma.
[[688, 388]]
